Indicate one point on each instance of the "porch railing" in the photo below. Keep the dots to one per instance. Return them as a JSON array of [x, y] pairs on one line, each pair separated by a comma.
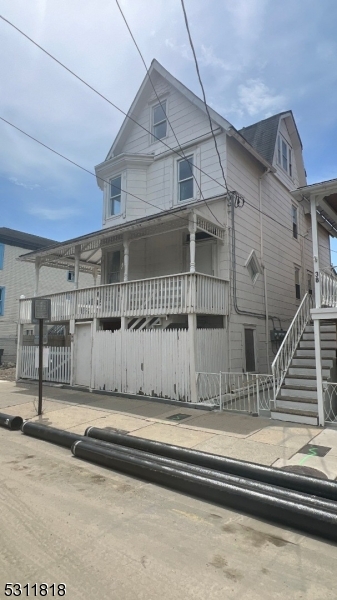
[[287, 349], [328, 290], [172, 294], [238, 392]]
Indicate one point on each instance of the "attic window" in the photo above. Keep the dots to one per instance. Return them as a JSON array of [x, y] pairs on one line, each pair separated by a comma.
[[253, 267], [284, 155], [159, 128]]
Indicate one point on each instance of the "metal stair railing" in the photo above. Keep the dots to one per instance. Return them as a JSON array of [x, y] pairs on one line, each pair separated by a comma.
[[289, 345]]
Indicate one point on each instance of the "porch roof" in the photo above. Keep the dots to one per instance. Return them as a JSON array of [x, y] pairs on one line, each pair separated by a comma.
[[62, 255], [325, 193]]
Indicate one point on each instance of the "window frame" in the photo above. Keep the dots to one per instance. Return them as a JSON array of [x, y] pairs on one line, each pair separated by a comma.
[[111, 198], [253, 258], [294, 216], [2, 300], [156, 124], [286, 156], [70, 276], [191, 178]]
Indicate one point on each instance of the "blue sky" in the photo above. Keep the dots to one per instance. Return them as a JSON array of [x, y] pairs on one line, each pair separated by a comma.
[[257, 57]]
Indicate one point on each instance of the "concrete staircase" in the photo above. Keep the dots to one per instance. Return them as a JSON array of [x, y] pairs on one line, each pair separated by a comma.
[[297, 398]]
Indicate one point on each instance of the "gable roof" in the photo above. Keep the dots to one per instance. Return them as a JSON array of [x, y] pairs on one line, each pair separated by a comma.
[[20, 239], [262, 135], [156, 67]]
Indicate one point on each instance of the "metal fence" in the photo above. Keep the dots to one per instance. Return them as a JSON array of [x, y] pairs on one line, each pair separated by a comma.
[[330, 402], [252, 393]]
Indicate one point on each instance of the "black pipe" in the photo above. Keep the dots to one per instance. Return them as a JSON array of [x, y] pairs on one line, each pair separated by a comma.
[[50, 434], [300, 483], [292, 514], [10, 422]]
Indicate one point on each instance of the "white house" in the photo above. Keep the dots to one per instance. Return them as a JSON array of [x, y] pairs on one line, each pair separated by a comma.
[[18, 278], [199, 274]]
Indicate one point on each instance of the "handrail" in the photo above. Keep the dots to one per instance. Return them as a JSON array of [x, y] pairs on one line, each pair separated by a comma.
[[290, 342]]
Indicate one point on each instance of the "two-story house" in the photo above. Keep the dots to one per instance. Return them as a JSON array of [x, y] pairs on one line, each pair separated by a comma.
[[203, 266]]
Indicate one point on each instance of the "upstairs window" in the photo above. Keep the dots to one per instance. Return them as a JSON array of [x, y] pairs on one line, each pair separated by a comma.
[[115, 195], [297, 284], [284, 155], [294, 218], [159, 126], [2, 252], [2, 301], [185, 179]]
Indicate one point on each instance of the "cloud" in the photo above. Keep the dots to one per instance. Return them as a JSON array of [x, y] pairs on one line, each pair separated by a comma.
[[53, 214], [27, 186], [256, 98], [182, 49]]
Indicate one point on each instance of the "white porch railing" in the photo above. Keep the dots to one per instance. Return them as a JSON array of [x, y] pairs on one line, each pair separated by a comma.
[[287, 349], [328, 290], [238, 392], [172, 294]]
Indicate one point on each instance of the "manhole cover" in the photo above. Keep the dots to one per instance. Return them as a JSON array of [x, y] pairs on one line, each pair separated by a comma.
[[178, 417], [302, 470], [313, 450]]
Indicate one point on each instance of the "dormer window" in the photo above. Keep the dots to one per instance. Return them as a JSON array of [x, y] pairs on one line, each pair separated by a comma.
[[115, 195], [159, 125], [284, 155]]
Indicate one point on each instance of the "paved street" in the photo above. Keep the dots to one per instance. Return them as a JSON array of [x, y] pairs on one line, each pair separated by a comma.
[[110, 536]]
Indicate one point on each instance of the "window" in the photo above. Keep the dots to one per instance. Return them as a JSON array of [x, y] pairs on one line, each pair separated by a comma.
[[297, 284], [250, 350], [159, 127], [115, 195], [309, 282], [294, 217], [284, 155], [2, 251], [253, 266], [185, 179], [113, 266], [2, 301], [71, 276]]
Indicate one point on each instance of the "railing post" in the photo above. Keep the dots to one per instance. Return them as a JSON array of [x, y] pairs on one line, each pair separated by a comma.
[[257, 394], [319, 379], [220, 393]]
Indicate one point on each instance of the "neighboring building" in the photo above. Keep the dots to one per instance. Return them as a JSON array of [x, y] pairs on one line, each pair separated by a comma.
[[20, 279], [194, 279]]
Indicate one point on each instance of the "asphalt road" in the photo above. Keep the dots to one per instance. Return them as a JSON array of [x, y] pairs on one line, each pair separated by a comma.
[[108, 536]]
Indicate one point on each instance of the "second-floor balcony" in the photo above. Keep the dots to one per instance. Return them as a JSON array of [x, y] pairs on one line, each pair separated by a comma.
[[170, 295]]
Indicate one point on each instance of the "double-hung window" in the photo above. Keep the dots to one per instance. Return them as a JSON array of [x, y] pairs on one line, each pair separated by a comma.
[[115, 195], [2, 301], [185, 179], [284, 155], [159, 125], [295, 223]]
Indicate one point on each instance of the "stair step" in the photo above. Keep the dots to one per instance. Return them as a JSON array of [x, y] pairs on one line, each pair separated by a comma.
[[324, 344], [300, 405], [307, 381], [294, 416], [307, 372], [311, 363], [293, 391], [324, 336], [309, 353], [323, 329]]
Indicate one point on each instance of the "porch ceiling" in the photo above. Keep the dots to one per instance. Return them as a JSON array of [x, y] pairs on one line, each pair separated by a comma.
[[325, 193], [62, 255]]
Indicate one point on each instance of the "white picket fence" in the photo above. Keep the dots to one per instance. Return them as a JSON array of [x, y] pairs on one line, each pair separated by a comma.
[[58, 364], [150, 362]]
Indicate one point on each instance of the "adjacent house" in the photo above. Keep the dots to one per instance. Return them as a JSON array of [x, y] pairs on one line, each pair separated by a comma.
[[203, 262], [22, 279]]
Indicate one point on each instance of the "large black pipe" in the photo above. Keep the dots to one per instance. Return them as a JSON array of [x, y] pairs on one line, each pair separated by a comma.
[[308, 485], [10, 422], [50, 434], [294, 514]]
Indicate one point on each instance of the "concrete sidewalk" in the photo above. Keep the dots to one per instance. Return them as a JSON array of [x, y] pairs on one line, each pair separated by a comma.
[[239, 436]]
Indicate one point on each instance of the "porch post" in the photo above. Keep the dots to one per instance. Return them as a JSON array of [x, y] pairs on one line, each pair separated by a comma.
[[192, 230], [126, 245], [317, 332], [192, 326], [37, 275], [94, 274], [19, 351], [77, 265]]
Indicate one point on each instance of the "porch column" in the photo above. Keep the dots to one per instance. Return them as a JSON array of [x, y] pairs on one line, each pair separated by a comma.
[[94, 274], [192, 230], [77, 265], [317, 332], [126, 245], [192, 326], [37, 275]]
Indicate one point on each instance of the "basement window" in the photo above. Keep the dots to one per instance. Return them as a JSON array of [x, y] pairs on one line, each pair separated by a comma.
[[253, 267]]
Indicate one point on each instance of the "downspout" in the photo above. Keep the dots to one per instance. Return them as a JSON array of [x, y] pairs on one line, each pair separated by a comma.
[[263, 265]]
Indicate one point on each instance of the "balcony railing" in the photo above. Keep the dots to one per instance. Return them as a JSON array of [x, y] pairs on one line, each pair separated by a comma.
[[172, 294], [328, 290]]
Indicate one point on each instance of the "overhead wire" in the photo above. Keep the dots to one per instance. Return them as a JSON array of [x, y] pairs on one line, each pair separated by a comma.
[[165, 112]]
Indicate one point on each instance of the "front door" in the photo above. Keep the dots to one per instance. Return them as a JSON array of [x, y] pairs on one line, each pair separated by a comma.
[[113, 266], [82, 354]]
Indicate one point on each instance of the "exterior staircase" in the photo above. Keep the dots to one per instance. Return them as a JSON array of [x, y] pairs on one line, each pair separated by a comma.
[[296, 400]]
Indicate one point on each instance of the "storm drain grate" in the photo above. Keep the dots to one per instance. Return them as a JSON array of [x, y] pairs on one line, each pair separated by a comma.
[[178, 417]]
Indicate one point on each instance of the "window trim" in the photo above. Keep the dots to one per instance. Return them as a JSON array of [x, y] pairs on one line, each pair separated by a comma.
[[252, 257], [281, 141], [110, 197], [2, 300], [192, 178], [153, 124]]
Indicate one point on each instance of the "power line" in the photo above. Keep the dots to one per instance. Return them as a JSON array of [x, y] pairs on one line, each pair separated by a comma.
[[161, 106], [126, 114], [203, 93]]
